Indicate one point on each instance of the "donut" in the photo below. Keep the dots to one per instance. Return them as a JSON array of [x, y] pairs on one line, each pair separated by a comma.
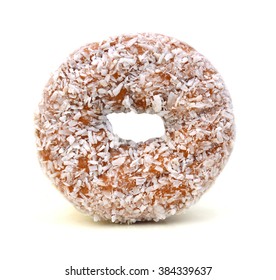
[[119, 180]]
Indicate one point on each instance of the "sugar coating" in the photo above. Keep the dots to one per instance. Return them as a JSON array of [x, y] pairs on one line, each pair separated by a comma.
[[115, 179]]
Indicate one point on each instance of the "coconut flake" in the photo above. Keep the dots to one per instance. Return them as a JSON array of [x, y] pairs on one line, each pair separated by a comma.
[[157, 103], [117, 90], [71, 139], [119, 161]]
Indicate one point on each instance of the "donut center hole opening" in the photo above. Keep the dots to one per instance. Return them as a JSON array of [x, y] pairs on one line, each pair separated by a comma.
[[136, 127]]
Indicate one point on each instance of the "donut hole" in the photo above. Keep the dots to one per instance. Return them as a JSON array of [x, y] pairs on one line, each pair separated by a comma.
[[137, 127]]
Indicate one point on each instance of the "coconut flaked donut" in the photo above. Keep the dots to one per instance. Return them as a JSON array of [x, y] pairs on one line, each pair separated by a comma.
[[110, 178]]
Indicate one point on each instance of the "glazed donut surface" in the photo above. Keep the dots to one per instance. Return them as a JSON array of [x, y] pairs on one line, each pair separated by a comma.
[[115, 179]]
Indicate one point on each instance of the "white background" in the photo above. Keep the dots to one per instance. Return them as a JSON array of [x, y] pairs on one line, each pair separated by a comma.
[[232, 226]]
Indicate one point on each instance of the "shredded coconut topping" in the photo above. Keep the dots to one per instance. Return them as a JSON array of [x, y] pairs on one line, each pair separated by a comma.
[[120, 180]]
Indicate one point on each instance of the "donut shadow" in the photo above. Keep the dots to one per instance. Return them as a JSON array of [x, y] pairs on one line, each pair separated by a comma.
[[191, 216], [194, 215]]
